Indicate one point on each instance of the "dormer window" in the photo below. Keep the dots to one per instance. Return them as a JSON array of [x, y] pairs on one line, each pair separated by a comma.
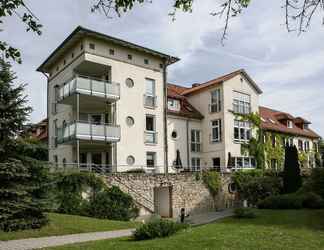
[[173, 104], [305, 126], [289, 124]]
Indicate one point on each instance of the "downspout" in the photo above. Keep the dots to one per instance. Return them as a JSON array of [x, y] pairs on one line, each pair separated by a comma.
[[47, 112], [166, 160], [187, 139]]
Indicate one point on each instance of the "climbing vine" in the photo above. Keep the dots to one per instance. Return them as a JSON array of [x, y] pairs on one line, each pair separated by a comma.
[[212, 180], [274, 151]]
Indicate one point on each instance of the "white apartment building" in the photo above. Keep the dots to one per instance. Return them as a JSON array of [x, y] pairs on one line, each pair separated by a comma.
[[110, 109]]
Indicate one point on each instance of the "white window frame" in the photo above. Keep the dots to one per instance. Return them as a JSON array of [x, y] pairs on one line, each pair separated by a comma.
[[195, 163], [218, 137], [241, 103], [246, 162], [215, 101], [153, 154], [244, 131], [150, 133], [289, 124], [195, 145], [173, 104]]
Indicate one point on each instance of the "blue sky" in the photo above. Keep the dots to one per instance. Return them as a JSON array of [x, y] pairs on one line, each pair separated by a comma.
[[288, 68]]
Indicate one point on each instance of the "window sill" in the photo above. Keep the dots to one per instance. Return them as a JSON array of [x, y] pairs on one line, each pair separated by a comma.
[[150, 143]]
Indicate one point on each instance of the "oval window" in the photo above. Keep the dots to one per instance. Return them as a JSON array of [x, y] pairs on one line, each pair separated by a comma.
[[174, 134], [130, 121], [130, 160], [129, 83], [231, 188]]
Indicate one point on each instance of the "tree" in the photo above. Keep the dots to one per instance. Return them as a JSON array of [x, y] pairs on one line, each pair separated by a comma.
[[321, 150], [292, 180], [13, 110], [21, 182], [298, 14]]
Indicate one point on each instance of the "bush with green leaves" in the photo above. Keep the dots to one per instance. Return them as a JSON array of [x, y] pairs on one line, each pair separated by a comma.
[[315, 183], [285, 201], [244, 213], [158, 228], [212, 180], [112, 204], [256, 185], [86, 194]]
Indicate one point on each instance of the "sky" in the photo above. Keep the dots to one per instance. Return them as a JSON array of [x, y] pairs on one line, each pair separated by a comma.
[[288, 67]]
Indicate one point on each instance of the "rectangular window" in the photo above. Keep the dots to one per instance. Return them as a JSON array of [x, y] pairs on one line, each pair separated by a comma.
[[173, 104], [92, 46], [216, 135], [244, 162], [83, 158], [150, 133], [241, 103], [146, 61], [195, 164], [55, 160], [130, 57], [150, 159], [306, 146], [149, 97], [289, 124], [242, 131], [273, 163], [215, 101], [195, 141], [300, 145], [216, 163], [111, 52]]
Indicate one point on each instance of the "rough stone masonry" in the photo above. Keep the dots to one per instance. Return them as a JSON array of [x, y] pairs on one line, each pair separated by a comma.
[[187, 191]]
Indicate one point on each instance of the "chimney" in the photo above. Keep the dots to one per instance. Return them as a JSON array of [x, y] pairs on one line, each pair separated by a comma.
[[195, 85]]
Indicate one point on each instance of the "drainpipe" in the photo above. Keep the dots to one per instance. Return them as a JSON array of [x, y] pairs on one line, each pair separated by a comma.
[[47, 111], [165, 101], [187, 139]]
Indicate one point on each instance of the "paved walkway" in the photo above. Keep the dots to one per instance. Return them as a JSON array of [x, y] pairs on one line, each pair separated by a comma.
[[36, 243], [205, 218]]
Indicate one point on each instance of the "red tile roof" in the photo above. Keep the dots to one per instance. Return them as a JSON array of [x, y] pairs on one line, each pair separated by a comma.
[[271, 122], [220, 80], [186, 109]]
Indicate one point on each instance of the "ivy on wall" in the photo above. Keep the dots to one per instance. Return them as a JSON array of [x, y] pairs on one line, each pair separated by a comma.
[[276, 151]]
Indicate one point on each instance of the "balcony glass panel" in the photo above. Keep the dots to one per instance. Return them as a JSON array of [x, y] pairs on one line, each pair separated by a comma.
[[89, 86]]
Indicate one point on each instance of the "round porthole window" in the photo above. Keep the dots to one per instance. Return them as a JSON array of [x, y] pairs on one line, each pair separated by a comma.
[[129, 83], [231, 188], [174, 134], [130, 160], [130, 121]]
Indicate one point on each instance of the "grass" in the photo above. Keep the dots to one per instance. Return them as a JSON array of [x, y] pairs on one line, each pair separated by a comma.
[[61, 224], [285, 229]]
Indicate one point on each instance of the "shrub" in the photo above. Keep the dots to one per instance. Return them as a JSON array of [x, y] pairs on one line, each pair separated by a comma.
[[112, 204], [315, 182], [254, 186], [286, 201], [312, 200], [157, 229], [212, 180], [244, 213]]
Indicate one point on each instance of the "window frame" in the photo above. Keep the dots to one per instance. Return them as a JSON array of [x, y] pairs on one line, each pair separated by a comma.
[[218, 128], [241, 102], [195, 140], [153, 154], [244, 132], [195, 164], [215, 101]]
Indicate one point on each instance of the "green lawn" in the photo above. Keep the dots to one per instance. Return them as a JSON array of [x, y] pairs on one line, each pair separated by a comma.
[[285, 229], [61, 224]]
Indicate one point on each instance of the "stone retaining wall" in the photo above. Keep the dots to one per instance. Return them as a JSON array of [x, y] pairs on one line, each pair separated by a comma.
[[187, 191]]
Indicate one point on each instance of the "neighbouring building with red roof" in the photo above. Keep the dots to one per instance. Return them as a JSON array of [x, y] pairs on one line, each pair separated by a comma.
[[38, 130]]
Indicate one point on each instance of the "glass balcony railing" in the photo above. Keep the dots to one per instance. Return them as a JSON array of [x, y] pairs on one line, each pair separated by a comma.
[[89, 86], [88, 131], [150, 137]]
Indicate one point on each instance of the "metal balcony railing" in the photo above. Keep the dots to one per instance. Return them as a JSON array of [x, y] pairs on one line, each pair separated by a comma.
[[88, 131], [89, 86]]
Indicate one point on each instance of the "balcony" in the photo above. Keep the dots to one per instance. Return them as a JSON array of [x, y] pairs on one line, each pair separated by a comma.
[[90, 87], [150, 137], [150, 101], [88, 131]]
